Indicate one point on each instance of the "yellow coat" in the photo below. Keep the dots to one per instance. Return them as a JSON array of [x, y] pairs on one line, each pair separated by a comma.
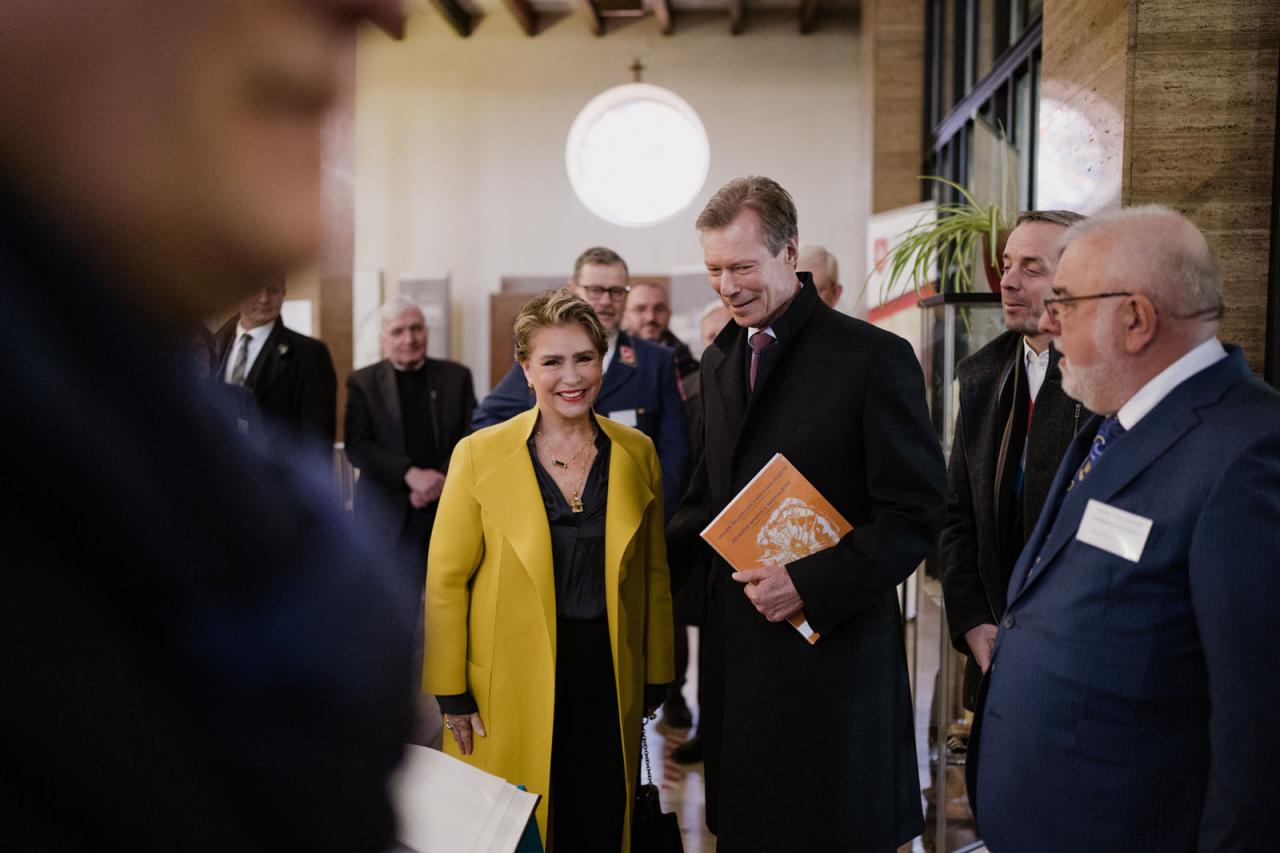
[[491, 603]]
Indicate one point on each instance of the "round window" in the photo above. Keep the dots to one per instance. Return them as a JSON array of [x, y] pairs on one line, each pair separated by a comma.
[[637, 155]]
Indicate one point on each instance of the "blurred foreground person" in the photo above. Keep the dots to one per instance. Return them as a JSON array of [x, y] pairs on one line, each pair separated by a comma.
[[197, 654], [549, 634], [1131, 700]]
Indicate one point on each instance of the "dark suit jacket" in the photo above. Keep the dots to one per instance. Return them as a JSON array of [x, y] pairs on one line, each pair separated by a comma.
[[199, 651], [374, 439], [292, 379], [976, 559], [1132, 705], [844, 402], [646, 386]]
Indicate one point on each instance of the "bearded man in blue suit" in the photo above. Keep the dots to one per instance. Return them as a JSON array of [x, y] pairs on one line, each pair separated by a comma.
[[1132, 698]]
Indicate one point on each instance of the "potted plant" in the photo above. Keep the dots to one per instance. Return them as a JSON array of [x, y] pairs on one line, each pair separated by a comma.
[[951, 241]]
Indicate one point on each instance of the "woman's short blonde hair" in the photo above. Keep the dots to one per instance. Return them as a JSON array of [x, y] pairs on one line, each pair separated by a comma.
[[556, 308]]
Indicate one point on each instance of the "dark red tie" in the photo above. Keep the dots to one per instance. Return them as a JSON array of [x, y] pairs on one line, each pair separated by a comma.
[[760, 341]]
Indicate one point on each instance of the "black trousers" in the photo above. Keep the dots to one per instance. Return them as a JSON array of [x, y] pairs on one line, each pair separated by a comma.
[[588, 778]]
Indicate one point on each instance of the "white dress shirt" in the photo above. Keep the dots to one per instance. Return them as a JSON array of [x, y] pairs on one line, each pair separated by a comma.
[[257, 337], [1037, 366], [609, 353], [1205, 355]]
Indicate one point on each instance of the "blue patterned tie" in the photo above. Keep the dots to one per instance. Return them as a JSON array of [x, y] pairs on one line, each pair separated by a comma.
[[1108, 431]]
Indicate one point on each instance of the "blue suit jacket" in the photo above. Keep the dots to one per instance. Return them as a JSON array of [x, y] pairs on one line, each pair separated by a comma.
[[1132, 706], [648, 386]]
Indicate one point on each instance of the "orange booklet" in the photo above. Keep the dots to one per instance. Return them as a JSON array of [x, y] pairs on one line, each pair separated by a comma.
[[777, 518]]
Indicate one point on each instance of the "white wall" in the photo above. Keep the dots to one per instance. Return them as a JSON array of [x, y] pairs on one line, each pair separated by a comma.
[[460, 146]]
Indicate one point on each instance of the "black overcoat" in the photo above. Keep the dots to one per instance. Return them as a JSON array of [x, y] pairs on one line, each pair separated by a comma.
[[374, 438], [812, 747], [975, 566]]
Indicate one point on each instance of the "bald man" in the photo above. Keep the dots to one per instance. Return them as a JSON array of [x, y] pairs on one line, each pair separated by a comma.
[[1132, 697], [824, 268]]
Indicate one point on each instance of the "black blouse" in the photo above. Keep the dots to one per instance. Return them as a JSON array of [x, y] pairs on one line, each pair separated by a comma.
[[577, 538]]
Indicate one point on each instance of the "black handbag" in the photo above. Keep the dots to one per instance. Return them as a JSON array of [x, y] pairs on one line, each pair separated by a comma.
[[652, 829]]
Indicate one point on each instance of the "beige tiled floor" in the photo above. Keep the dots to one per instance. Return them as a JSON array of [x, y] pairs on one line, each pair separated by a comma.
[[681, 786]]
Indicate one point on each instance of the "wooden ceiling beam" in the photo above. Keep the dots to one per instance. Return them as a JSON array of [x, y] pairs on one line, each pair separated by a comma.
[[458, 17], [737, 16], [526, 16], [662, 11], [808, 16], [595, 22]]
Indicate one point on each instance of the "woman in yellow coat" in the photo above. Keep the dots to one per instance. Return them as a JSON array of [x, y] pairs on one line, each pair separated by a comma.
[[548, 607]]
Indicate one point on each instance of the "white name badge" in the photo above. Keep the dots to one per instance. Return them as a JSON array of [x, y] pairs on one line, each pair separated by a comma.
[[626, 417], [1114, 530]]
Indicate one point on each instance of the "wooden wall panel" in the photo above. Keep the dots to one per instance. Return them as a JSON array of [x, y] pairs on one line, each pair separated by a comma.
[[897, 44], [1181, 95], [1083, 90], [1202, 137]]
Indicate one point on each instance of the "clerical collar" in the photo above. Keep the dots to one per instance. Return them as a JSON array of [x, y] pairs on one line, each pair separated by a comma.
[[413, 368]]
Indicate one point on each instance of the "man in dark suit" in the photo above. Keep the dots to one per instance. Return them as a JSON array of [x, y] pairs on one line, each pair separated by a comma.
[[807, 746], [199, 651], [289, 374], [1014, 424], [404, 416], [640, 387], [1132, 696]]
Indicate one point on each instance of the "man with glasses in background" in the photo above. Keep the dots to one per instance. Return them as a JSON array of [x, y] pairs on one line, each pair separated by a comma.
[[639, 388], [1132, 697]]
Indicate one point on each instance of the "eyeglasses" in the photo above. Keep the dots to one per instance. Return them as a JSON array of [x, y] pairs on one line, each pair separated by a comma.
[[1066, 302], [617, 294]]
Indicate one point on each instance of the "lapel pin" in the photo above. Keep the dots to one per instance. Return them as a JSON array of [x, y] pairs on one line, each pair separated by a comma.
[[627, 355]]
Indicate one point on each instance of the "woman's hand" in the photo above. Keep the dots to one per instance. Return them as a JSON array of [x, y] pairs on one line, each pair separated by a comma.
[[463, 727]]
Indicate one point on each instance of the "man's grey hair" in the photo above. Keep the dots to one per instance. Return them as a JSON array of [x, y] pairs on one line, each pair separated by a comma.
[[1065, 218], [812, 255], [1170, 261], [393, 308]]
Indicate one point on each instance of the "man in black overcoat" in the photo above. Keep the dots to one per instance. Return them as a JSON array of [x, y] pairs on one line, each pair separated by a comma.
[[808, 747], [290, 375], [1014, 425], [404, 416]]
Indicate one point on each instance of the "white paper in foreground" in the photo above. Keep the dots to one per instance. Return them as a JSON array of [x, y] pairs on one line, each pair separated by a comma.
[[447, 806]]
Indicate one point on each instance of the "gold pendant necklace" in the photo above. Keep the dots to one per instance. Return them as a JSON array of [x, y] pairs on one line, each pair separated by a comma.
[[560, 463], [575, 498]]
